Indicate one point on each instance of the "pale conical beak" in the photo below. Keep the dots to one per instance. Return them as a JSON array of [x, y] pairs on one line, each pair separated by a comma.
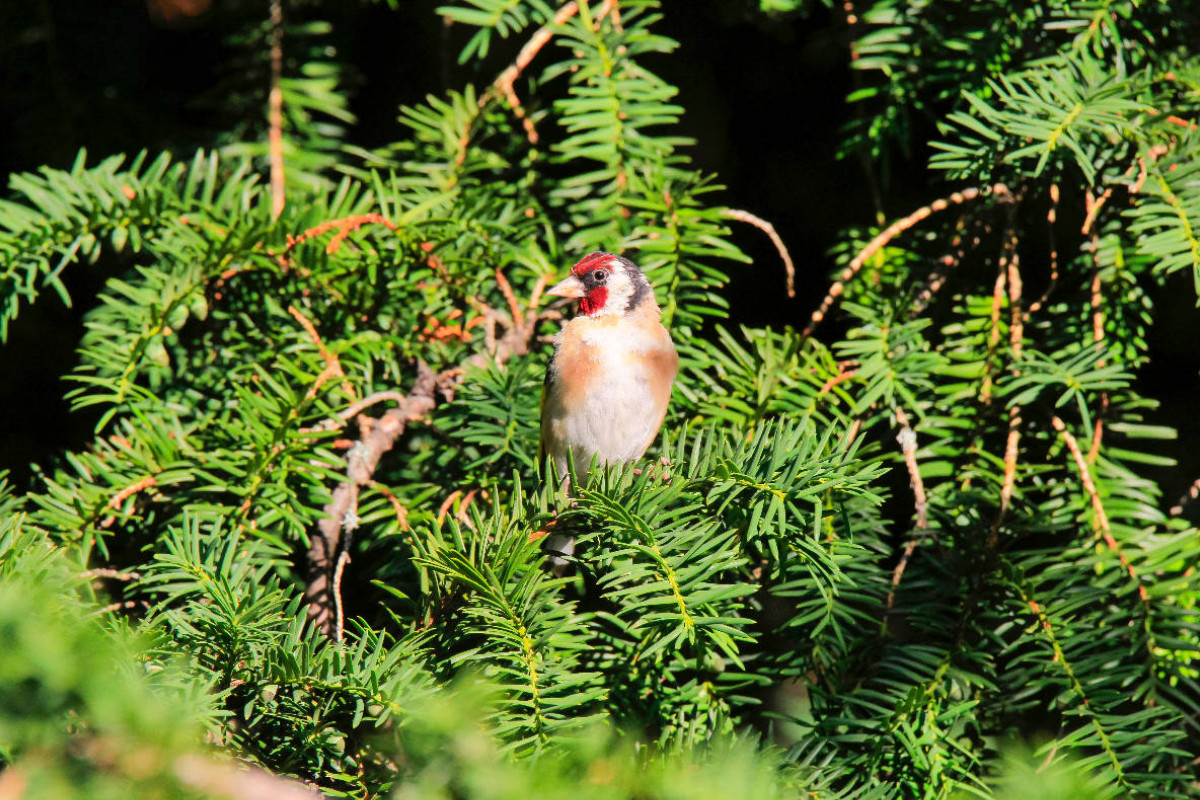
[[568, 287]]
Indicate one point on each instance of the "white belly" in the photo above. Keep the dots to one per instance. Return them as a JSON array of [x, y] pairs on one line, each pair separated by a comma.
[[618, 416]]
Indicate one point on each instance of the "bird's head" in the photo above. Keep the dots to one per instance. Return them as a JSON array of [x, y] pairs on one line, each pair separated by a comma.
[[605, 284]]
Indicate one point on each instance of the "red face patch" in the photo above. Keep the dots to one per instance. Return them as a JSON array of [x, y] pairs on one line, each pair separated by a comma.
[[597, 296], [594, 300], [590, 262]]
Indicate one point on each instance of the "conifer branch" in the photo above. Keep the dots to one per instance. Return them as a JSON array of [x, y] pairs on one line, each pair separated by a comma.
[[1101, 518], [889, 233], [769, 229], [506, 80], [377, 437], [275, 111], [907, 438]]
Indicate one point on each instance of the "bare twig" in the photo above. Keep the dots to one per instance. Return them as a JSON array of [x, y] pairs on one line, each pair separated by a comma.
[[1093, 205], [1010, 259], [275, 110], [351, 411], [378, 436], [328, 546], [120, 497], [333, 367], [1097, 304], [985, 386], [504, 83], [110, 574], [342, 560], [343, 227], [846, 371], [1101, 522], [907, 438], [769, 230], [889, 233]]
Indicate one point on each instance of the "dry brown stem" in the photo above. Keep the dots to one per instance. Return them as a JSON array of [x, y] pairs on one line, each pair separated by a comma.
[[120, 497], [887, 235], [329, 545], [773, 235], [378, 436], [275, 110], [504, 83], [333, 367], [907, 438], [1101, 519]]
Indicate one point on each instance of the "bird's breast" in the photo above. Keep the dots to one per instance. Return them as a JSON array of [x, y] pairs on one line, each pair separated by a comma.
[[608, 391]]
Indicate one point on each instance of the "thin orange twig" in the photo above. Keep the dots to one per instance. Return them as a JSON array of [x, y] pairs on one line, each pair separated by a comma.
[[504, 83], [333, 367], [275, 110], [889, 233], [1101, 521], [907, 438], [773, 235], [129, 491]]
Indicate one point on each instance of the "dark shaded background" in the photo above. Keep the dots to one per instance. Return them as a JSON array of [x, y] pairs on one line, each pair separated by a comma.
[[764, 98]]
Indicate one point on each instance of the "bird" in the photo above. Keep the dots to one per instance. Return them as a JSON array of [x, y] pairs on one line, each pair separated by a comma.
[[609, 381]]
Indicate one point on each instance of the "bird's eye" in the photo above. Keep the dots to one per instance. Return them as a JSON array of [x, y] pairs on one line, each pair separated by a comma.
[[599, 275]]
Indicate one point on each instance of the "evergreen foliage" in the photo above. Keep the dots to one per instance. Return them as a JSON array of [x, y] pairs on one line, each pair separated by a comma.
[[926, 557]]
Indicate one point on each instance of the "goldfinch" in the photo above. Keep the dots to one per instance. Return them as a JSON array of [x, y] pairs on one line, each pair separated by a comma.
[[609, 382]]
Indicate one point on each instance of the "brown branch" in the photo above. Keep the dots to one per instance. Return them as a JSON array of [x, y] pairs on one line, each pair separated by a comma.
[[275, 111], [985, 387], [1010, 259], [1101, 522], [504, 83], [378, 436], [333, 367], [1097, 305], [110, 574], [353, 410], [1010, 462], [342, 559], [120, 497], [514, 308], [397, 506], [889, 233], [329, 542], [769, 230], [907, 438], [344, 227], [1093, 205], [1016, 335], [846, 371]]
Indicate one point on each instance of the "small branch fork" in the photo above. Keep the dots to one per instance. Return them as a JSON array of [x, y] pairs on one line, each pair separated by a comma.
[[907, 438], [504, 83], [328, 551], [344, 227], [887, 235], [769, 230], [329, 545], [1101, 522]]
